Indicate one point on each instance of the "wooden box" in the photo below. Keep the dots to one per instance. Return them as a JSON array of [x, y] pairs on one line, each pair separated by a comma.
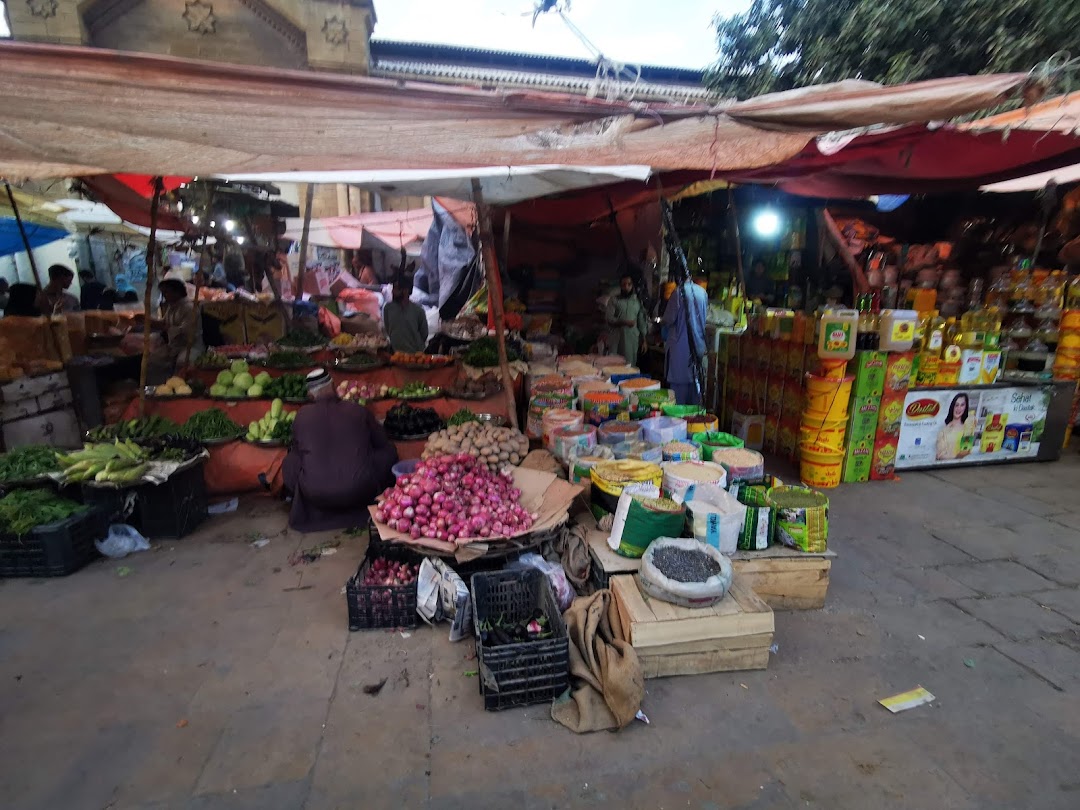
[[784, 578], [735, 634]]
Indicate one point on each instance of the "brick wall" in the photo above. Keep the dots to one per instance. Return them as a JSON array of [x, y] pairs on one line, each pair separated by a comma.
[[322, 34], [64, 27], [239, 35]]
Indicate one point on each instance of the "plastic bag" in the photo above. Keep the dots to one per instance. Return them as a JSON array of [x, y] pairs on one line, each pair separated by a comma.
[[442, 595], [121, 541], [687, 594], [560, 585], [715, 518]]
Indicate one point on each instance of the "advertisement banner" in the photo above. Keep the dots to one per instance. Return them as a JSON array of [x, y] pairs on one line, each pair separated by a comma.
[[968, 425]]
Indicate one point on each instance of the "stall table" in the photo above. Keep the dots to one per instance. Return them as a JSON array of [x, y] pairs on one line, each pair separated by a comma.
[[250, 460]]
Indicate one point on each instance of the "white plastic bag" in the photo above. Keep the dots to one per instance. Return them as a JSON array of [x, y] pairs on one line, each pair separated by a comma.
[[121, 541], [715, 517], [556, 576], [442, 594], [687, 594]]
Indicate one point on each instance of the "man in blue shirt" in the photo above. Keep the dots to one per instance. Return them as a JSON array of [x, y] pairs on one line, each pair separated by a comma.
[[684, 334]]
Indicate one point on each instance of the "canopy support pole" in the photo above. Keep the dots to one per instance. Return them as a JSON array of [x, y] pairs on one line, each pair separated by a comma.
[[738, 238], [151, 269], [309, 199], [196, 311], [33, 265], [495, 295]]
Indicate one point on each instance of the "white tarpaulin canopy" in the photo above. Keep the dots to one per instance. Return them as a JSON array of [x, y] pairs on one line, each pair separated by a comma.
[[500, 185]]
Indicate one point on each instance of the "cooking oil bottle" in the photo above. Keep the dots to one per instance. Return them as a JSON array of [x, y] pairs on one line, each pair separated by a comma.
[[930, 353], [991, 356]]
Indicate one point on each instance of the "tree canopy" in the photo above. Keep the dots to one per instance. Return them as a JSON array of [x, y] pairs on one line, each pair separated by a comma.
[[782, 44]]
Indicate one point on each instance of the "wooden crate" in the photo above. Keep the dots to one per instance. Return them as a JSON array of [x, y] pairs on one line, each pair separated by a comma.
[[605, 562], [786, 579], [734, 634]]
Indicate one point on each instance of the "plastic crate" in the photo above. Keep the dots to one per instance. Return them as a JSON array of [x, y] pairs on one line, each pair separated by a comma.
[[55, 550], [175, 508], [379, 607], [528, 672], [117, 505]]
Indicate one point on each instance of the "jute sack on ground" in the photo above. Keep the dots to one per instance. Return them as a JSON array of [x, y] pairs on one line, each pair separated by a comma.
[[607, 685]]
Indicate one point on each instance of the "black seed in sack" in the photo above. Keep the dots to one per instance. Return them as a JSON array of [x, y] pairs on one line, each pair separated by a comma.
[[685, 565]]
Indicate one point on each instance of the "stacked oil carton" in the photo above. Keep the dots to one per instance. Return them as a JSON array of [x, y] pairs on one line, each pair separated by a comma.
[[882, 380]]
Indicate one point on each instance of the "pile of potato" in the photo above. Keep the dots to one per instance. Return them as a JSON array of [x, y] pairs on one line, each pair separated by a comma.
[[494, 446]]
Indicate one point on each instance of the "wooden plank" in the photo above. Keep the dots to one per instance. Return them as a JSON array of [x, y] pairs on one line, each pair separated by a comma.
[[780, 552], [630, 598], [787, 583], [610, 562], [662, 666], [655, 623], [714, 645]]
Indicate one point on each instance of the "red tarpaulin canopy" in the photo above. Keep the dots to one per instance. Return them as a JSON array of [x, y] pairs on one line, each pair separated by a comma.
[[916, 159]]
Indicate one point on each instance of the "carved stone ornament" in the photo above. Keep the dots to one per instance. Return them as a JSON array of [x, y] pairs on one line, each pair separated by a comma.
[[335, 30], [200, 17], [42, 8]]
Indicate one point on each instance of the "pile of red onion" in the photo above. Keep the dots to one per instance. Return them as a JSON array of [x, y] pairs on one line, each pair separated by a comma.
[[450, 497]]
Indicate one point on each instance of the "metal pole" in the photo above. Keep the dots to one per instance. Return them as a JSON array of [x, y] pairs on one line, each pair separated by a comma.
[[151, 268], [309, 198], [495, 298]]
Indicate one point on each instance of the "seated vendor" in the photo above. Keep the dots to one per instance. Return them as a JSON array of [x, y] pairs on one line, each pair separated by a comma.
[[339, 461], [182, 328], [405, 322]]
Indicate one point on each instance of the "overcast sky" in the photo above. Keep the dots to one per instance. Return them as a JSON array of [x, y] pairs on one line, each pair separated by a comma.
[[656, 32], [678, 33]]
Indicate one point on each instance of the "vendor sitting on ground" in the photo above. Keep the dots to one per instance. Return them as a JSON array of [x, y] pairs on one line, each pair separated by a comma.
[[340, 459], [405, 322]]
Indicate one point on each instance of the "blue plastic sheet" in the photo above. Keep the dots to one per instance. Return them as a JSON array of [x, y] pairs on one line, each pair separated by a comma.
[[11, 242]]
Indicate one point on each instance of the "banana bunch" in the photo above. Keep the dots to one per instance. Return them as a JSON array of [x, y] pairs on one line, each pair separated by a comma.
[[121, 462]]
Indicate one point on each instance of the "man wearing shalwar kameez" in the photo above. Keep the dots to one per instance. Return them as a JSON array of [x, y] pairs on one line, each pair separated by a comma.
[[682, 376], [339, 460]]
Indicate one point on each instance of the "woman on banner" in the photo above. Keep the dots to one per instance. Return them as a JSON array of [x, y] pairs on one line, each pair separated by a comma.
[[954, 440]]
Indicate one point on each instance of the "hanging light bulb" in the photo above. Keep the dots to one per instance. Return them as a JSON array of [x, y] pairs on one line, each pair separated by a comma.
[[213, 224], [239, 240], [229, 225], [195, 219]]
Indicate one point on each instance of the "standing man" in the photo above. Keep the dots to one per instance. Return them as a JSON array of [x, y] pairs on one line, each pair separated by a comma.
[[339, 461], [405, 322], [90, 294], [626, 317], [54, 298], [684, 334]]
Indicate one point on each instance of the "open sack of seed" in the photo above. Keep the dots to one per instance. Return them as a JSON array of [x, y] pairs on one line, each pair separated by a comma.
[[684, 571]]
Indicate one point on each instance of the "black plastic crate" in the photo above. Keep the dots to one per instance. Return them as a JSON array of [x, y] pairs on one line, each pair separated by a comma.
[[174, 508], [529, 672], [379, 607], [117, 505], [55, 550]]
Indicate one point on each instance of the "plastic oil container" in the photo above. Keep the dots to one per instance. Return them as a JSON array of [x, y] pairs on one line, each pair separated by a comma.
[[897, 330], [836, 335]]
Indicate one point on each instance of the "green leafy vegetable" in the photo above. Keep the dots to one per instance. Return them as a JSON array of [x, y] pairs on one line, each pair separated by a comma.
[[461, 417], [24, 463], [211, 424], [25, 509]]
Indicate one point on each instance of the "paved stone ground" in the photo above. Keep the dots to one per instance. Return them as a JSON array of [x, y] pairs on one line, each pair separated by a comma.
[[215, 675]]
